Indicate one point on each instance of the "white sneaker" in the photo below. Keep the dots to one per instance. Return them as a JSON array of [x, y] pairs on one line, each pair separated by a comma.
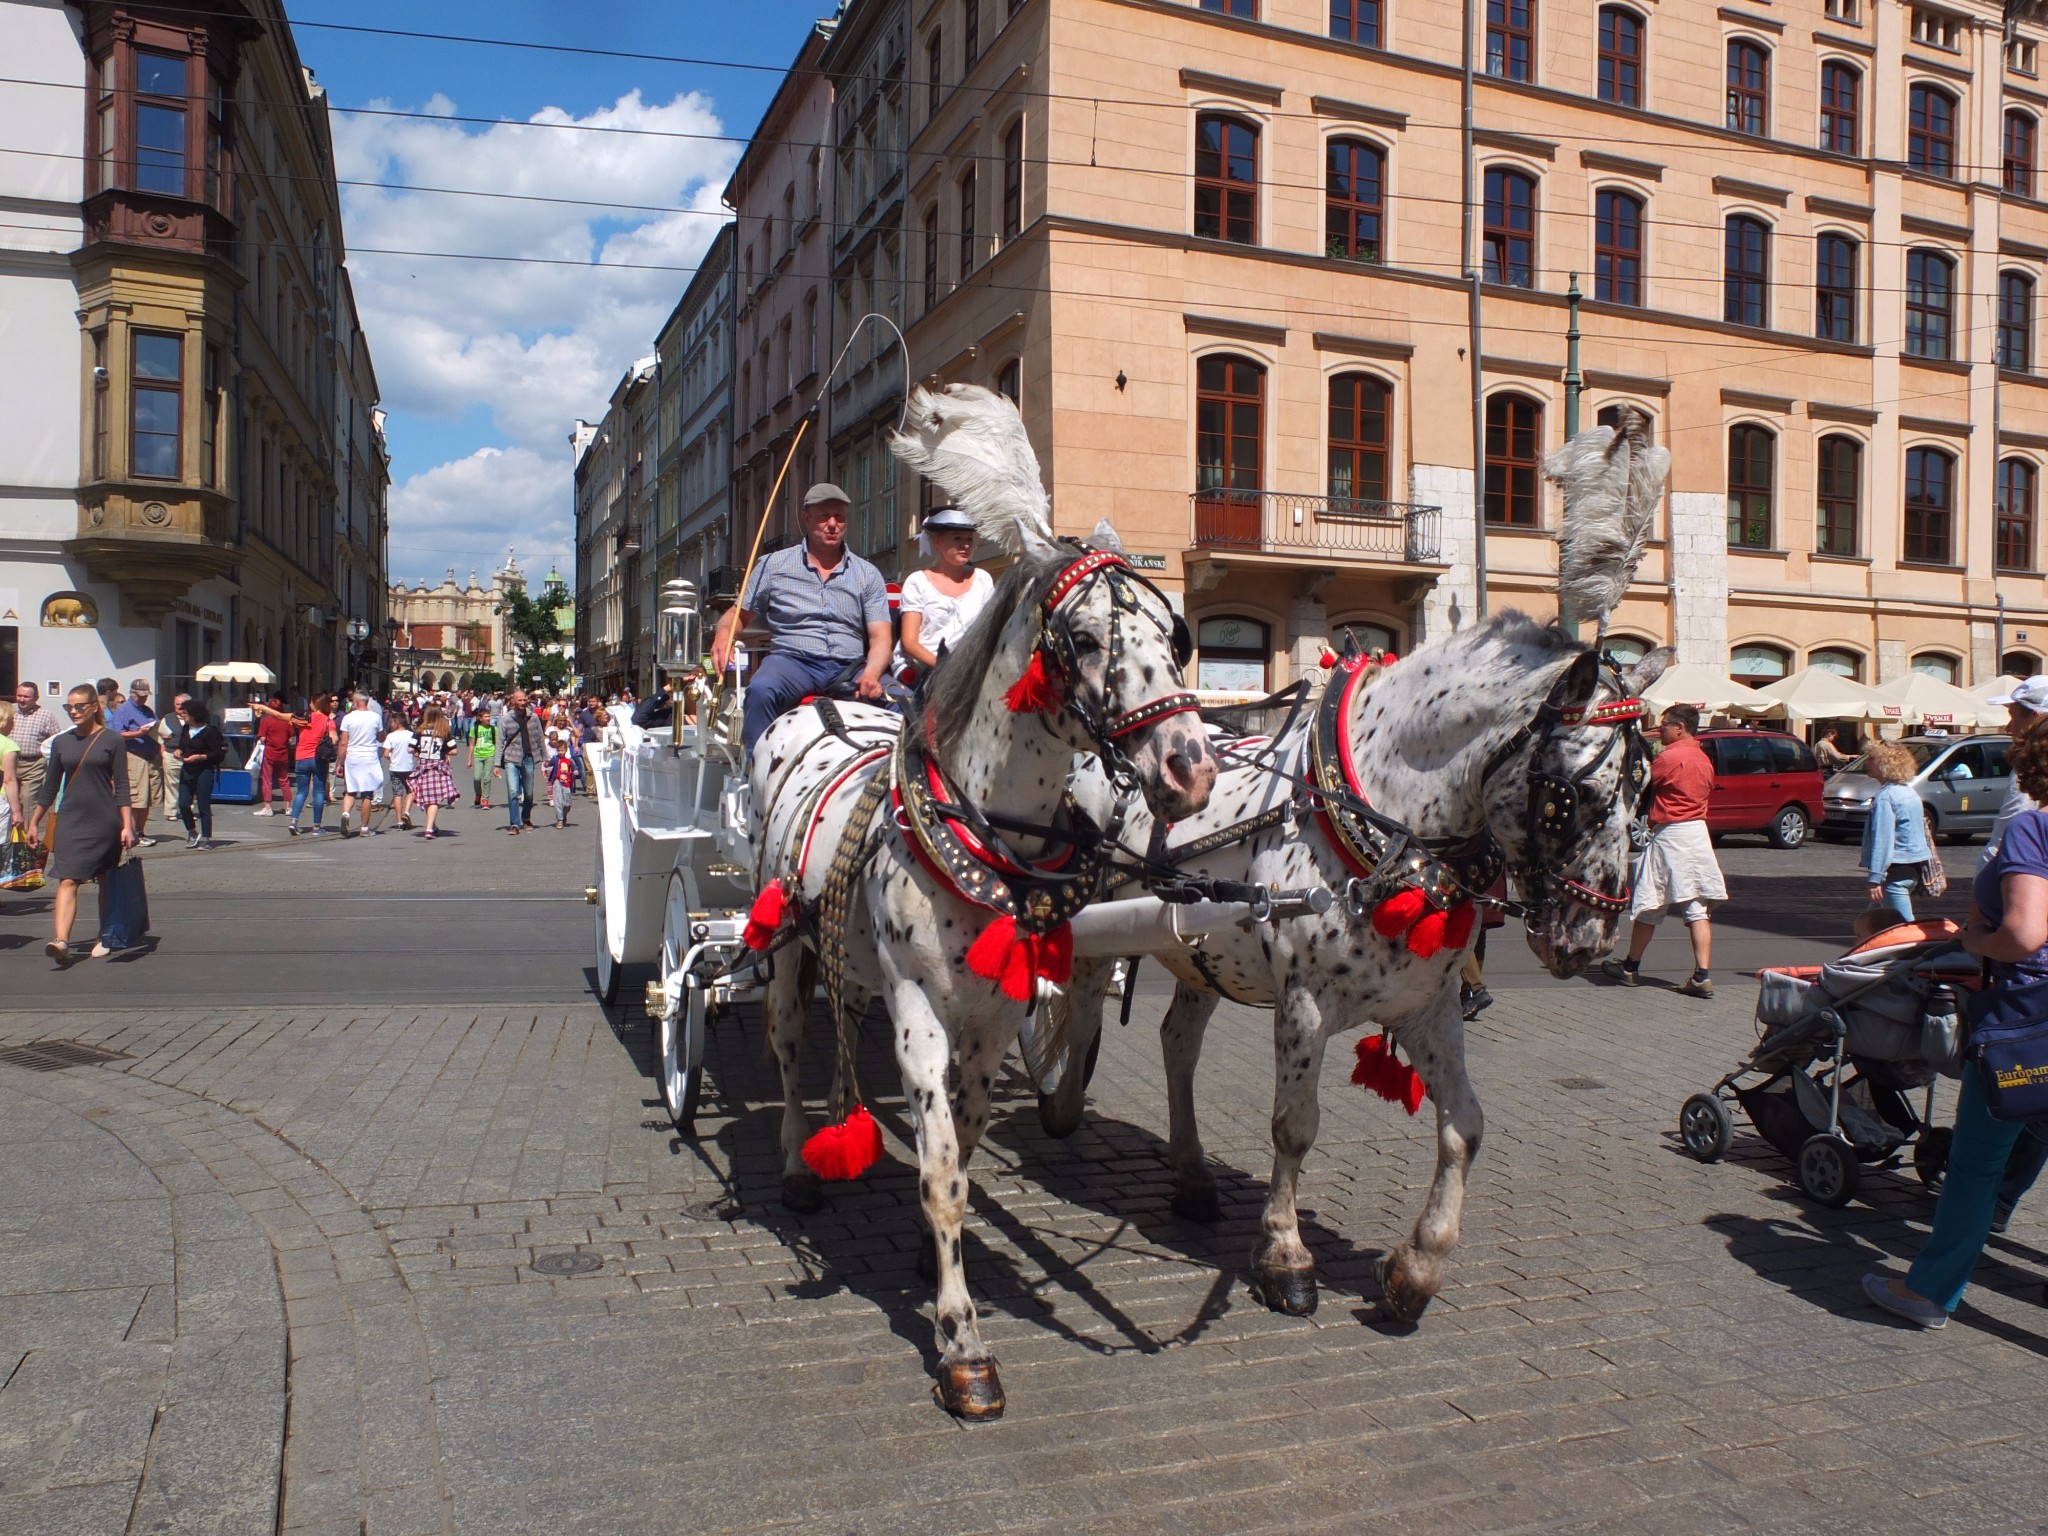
[[266, 811]]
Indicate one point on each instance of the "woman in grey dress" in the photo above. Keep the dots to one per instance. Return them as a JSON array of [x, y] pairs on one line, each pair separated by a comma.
[[96, 822]]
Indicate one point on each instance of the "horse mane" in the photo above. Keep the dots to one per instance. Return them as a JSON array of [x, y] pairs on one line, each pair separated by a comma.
[[949, 692]]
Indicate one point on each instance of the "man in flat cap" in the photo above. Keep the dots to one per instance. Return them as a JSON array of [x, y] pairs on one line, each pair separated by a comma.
[[827, 613]]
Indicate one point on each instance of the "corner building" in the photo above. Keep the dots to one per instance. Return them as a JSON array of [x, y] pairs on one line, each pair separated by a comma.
[[1215, 251]]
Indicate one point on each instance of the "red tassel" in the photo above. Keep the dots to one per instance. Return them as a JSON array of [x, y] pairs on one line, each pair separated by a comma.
[[1036, 692], [1427, 936], [1458, 931], [1014, 960], [765, 919], [1380, 1071], [846, 1150], [1388, 658], [1327, 660], [1397, 914]]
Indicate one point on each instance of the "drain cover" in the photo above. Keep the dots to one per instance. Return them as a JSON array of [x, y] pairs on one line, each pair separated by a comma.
[[56, 1055], [1580, 1084], [714, 1210], [568, 1264]]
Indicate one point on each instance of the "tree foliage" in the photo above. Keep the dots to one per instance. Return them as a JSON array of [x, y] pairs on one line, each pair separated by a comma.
[[536, 636]]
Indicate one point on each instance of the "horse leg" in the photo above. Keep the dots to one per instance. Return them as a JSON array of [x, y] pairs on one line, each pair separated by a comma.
[[1283, 1270], [1180, 1038], [788, 1005], [1080, 1009], [981, 1054], [1414, 1271]]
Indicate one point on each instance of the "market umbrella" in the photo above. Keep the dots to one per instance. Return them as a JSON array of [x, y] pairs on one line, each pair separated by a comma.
[[1704, 688], [1998, 687], [1917, 696], [1814, 694], [237, 672]]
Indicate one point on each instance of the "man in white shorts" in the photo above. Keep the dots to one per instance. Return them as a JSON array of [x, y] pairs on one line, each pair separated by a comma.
[[1679, 866], [362, 733]]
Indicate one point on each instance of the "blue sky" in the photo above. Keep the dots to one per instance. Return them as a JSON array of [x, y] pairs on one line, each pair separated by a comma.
[[485, 365]]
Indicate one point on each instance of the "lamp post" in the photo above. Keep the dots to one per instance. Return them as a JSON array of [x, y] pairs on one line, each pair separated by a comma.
[[358, 632]]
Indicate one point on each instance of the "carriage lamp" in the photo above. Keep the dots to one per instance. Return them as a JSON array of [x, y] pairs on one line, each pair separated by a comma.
[[678, 634]]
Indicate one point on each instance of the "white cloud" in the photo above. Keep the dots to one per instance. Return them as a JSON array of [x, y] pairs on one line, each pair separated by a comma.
[[468, 512]]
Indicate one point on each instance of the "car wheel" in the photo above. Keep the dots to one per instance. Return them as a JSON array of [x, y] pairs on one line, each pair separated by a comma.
[[1790, 828]]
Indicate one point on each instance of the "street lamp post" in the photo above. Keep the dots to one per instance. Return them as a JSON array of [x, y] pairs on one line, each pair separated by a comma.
[[358, 632]]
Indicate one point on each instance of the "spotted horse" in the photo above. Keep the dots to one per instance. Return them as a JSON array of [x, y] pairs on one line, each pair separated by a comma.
[[937, 867], [1508, 748]]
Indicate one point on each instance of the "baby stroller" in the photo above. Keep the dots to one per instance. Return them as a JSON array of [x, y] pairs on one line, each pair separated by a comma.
[[1842, 1049]]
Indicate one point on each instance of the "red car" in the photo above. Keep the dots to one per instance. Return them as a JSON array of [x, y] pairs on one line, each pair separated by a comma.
[[1764, 781]]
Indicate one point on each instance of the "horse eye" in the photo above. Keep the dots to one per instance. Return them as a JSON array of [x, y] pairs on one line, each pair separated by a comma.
[[1086, 644]]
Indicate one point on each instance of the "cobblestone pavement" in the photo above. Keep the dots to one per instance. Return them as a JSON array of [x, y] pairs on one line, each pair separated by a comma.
[[282, 1265]]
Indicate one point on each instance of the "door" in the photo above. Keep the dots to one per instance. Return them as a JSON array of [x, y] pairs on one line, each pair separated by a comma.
[[1795, 769], [1977, 775], [1742, 792], [1943, 791]]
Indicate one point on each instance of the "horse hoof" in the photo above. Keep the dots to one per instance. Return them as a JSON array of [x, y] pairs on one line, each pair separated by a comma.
[[1292, 1291], [1058, 1120], [1198, 1203], [803, 1193], [970, 1390], [1403, 1294]]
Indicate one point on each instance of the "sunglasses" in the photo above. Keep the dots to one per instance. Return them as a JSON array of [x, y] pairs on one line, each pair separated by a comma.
[[75, 709]]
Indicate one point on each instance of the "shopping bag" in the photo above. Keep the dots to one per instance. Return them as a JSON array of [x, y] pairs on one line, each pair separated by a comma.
[[255, 763], [1933, 878], [21, 862], [124, 914]]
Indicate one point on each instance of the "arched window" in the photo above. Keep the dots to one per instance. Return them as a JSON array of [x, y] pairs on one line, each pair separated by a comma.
[[1009, 381], [2019, 664], [1354, 195], [1514, 456], [1510, 228], [1617, 248], [1013, 181], [1749, 87], [1937, 665], [2018, 167], [1231, 655], [1838, 495], [1834, 288], [1841, 107], [1840, 662], [1930, 506], [1366, 637], [969, 254], [1759, 664], [1746, 272], [1752, 466], [2015, 321], [1358, 438], [1627, 650], [1621, 56], [931, 257], [1610, 416], [2013, 549], [1511, 39], [1230, 410], [1930, 303], [1931, 130], [1226, 178]]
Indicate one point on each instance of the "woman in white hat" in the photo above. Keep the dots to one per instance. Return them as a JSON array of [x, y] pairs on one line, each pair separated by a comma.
[[942, 600]]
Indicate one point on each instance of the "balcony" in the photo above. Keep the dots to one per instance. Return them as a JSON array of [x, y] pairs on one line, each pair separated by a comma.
[[1258, 525]]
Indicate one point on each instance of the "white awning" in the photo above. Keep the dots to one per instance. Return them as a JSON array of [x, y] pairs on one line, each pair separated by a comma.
[[237, 672]]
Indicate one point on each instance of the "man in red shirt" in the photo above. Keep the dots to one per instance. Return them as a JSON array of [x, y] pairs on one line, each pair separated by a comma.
[[1679, 863], [275, 730]]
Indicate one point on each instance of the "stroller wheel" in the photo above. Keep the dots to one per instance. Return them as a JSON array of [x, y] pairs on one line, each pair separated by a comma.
[[1828, 1170], [1930, 1155], [1705, 1127]]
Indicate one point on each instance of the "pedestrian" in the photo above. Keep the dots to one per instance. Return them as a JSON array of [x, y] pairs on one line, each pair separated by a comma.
[[483, 757], [1829, 750], [313, 749], [562, 787], [1895, 845], [34, 724], [10, 775], [521, 745], [85, 764], [2008, 926], [433, 786], [276, 728], [1679, 864], [199, 748], [399, 760], [2026, 706], [361, 734], [137, 724]]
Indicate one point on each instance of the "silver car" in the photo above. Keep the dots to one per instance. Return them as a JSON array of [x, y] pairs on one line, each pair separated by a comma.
[[1962, 781]]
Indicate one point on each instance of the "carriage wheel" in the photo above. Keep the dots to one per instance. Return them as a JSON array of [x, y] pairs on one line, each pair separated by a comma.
[[1828, 1170], [681, 1029], [1705, 1126], [607, 986]]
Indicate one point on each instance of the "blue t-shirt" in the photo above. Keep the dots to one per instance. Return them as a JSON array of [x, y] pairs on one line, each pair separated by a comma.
[[129, 715], [2024, 852], [809, 614]]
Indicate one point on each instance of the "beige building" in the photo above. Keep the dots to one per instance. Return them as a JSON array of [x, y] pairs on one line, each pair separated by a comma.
[[1217, 253], [443, 635]]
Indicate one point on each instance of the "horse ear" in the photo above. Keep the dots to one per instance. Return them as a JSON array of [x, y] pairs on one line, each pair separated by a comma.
[[1575, 689], [1649, 669], [1105, 537], [1035, 544]]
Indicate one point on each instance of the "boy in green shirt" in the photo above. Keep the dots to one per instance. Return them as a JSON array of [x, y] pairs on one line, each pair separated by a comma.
[[483, 748]]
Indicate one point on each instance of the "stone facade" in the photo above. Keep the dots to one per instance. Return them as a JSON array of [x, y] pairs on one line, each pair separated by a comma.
[[446, 633]]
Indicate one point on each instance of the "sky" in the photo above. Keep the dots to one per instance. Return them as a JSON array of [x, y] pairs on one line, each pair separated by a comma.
[[484, 366]]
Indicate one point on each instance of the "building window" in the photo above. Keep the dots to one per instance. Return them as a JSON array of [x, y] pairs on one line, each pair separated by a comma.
[[2018, 167], [1514, 460], [210, 397], [1248, 9], [1746, 272], [1933, 664], [811, 334], [1358, 438], [1356, 21], [1931, 131], [1013, 181], [934, 60], [1510, 38], [1354, 191], [159, 406], [160, 123], [1936, 29], [1749, 85], [1510, 229], [1231, 655], [1226, 179], [1621, 56], [1833, 659], [1757, 665], [970, 32], [1009, 381], [2013, 549], [1834, 288], [1618, 248], [1850, 11], [1841, 108], [2023, 56], [1930, 303], [1230, 409], [967, 246], [1838, 495], [931, 258], [100, 405], [1752, 462], [1930, 498], [2015, 322]]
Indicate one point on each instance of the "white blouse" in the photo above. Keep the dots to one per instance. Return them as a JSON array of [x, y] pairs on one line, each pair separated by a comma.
[[945, 618]]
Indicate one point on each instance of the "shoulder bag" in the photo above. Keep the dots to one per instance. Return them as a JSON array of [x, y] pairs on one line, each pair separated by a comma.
[[1933, 878], [2009, 1044]]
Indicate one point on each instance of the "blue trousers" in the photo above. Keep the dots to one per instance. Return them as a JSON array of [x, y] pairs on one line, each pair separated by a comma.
[[309, 778], [781, 683], [1962, 1220], [518, 785]]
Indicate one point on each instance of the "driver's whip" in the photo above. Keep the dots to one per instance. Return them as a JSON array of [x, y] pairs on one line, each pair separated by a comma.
[[768, 507]]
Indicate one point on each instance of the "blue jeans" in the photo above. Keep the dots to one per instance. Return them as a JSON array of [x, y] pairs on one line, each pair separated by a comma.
[[782, 682], [1977, 1161], [2028, 1159], [309, 777], [1898, 895], [195, 794], [516, 778]]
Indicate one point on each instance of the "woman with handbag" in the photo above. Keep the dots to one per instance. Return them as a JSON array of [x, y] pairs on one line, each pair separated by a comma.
[[2008, 927], [1896, 852], [88, 765], [312, 756], [199, 748]]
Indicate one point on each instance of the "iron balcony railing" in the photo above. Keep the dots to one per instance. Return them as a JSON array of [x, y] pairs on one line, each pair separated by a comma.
[[1338, 526]]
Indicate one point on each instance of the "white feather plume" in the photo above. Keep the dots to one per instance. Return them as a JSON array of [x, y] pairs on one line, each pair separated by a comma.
[[1611, 481], [971, 443]]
